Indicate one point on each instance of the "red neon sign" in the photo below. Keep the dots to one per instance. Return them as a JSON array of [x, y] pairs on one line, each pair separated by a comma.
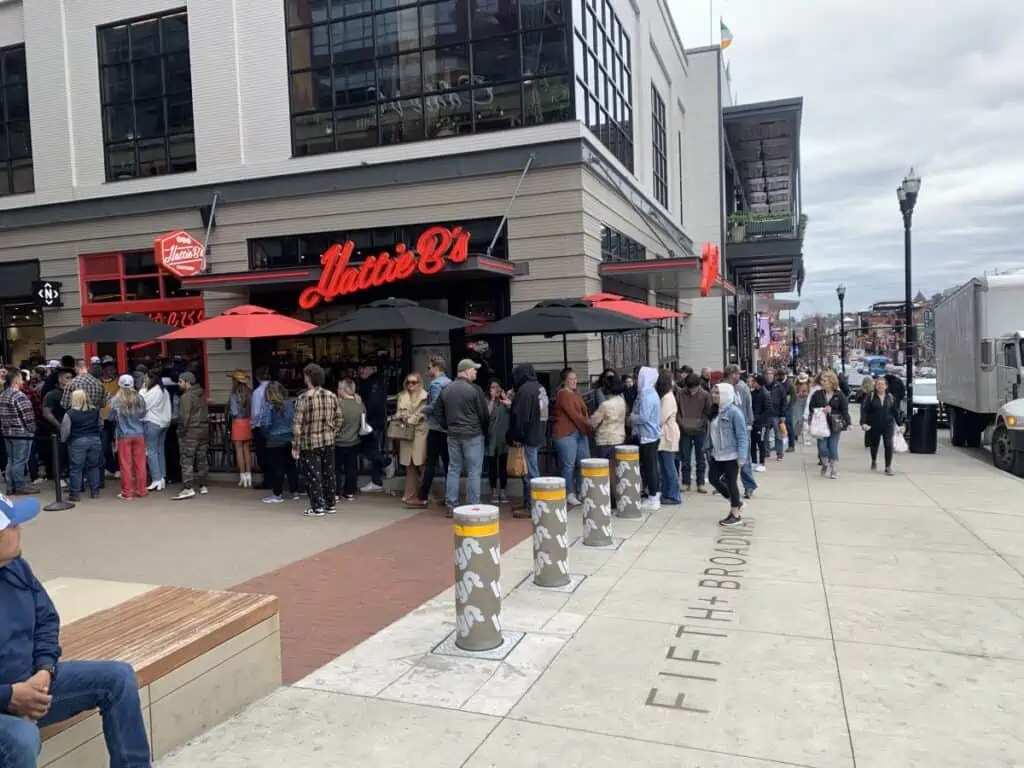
[[708, 268], [435, 248], [178, 318]]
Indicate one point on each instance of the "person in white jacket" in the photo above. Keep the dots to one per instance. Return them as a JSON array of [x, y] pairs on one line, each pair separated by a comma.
[[154, 426]]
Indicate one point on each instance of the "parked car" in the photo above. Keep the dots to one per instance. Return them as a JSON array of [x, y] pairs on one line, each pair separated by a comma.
[[926, 392]]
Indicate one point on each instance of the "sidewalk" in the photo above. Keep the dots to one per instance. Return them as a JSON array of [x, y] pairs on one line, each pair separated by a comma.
[[870, 617]]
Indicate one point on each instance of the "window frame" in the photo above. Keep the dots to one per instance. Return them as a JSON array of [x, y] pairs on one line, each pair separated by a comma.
[[659, 147], [7, 166], [167, 99]]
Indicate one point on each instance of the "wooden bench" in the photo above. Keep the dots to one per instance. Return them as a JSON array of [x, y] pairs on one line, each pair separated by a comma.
[[199, 656]]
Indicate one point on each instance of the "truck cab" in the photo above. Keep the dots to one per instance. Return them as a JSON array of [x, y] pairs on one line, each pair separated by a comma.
[[1008, 438], [1007, 357]]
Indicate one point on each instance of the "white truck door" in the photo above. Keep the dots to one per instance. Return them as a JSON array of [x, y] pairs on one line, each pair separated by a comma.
[[1009, 370]]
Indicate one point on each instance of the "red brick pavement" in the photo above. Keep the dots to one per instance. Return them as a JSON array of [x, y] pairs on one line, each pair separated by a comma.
[[334, 600]]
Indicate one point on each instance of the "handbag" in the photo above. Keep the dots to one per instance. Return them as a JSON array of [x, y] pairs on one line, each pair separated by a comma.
[[401, 430], [899, 443], [819, 425], [364, 427], [516, 463]]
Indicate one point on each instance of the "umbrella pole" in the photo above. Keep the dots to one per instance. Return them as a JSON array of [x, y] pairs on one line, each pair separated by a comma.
[[565, 351], [604, 360]]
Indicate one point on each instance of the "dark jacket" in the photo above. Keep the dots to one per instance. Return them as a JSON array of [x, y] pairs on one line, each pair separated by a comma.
[[778, 393], [194, 414], [761, 405], [462, 410], [374, 392], [896, 388], [881, 415], [840, 407], [525, 426], [694, 410], [29, 627]]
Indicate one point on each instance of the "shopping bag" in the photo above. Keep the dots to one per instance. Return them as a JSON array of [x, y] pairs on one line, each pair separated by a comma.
[[899, 443], [364, 427], [516, 462], [819, 424]]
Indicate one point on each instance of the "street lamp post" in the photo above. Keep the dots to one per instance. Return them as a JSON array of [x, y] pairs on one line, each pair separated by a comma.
[[907, 195], [841, 293]]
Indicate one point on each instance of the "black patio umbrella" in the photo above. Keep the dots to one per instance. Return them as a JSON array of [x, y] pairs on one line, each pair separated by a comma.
[[126, 327], [562, 317], [391, 315]]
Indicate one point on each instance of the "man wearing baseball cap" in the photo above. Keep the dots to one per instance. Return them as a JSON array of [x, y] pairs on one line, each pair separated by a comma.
[[36, 688]]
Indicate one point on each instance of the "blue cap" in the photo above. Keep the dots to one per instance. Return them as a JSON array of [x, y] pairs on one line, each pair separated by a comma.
[[17, 512]]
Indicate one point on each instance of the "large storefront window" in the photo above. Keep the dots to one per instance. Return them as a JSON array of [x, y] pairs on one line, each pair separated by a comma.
[[131, 282], [616, 247], [24, 339], [364, 74], [16, 173]]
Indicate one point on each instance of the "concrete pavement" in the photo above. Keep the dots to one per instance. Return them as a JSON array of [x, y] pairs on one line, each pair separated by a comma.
[[869, 621]]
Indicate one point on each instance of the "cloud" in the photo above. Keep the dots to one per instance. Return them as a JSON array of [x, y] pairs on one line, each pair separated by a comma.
[[888, 85]]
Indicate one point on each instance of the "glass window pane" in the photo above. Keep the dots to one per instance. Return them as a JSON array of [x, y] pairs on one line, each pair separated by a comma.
[[19, 140], [22, 178], [446, 68], [116, 83], [496, 60], [175, 32], [312, 92], [449, 114], [548, 100], [173, 288], [397, 31], [546, 52], [443, 23], [182, 153], [179, 116], [355, 128], [142, 288], [401, 121], [152, 157], [145, 37], [14, 66], [113, 45], [16, 98], [313, 134], [399, 76], [343, 8], [147, 79], [141, 263], [149, 119], [352, 40], [177, 73], [301, 13], [499, 107], [103, 291], [120, 122], [309, 48], [121, 161], [542, 13], [355, 83], [492, 17]]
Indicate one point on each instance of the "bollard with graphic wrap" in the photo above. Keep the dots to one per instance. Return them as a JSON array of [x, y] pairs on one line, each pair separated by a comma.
[[627, 482], [477, 578], [550, 532], [597, 503]]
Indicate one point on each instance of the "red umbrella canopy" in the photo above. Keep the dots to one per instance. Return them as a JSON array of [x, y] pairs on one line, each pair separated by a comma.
[[615, 303], [245, 322]]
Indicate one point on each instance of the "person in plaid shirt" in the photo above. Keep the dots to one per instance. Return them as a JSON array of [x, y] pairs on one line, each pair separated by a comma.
[[88, 383], [18, 423], [317, 419]]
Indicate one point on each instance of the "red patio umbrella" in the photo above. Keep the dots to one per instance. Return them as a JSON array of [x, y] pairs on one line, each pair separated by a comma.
[[615, 303], [245, 322]]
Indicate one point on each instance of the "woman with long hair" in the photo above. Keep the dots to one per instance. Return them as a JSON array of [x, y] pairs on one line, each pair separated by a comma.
[[127, 410], [880, 418], [347, 442], [239, 412], [831, 402], [668, 446], [80, 429], [609, 420], [498, 405], [154, 428], [277, 417], [570, 427], [412, 450]]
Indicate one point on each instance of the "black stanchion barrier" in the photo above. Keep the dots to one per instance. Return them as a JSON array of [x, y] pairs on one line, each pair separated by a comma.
[[59, 503]]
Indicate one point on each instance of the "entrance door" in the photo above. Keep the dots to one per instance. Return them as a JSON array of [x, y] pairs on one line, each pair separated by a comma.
[[1008, 371]]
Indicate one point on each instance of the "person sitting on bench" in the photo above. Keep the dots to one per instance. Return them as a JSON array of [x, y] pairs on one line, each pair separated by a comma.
[[36, 688]]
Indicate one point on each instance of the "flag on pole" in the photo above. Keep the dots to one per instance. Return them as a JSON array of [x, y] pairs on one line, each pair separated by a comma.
[[726, 35]]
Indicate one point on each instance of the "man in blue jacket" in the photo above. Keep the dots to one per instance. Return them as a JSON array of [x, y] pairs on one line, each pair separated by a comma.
[[36, 688]]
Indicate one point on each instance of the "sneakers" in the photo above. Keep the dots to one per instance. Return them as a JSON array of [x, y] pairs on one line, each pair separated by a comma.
[[503, 498], [572, 501], [122, 497], [332, 510], [874, 466], [832, 474], [889, 472], [315, 513], [730, 520], [824, 469], [351, 497], [184, 493], [296, 496], [749, 494], [372, 488], [203, 490], [760, 468], [687, 488], [652, 503], [700, 489], [272, 499]]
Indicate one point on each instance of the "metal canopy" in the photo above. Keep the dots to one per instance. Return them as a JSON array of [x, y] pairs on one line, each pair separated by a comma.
[[764, 141]]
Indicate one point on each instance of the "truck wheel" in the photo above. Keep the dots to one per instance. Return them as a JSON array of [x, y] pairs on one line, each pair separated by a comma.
[[957, 431], [1003, 455]]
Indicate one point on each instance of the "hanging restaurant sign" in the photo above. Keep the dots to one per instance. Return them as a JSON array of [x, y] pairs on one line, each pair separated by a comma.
[[180, 253], [708, 268], [435, 249]]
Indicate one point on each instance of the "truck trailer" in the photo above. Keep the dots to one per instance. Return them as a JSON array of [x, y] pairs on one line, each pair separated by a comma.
[[979, 347]]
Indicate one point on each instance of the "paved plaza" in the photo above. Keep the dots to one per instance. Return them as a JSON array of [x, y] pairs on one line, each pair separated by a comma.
[[869, 621]]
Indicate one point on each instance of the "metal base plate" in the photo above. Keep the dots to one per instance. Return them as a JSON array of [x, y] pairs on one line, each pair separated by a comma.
[[58, 506], [578, 543], [510, 640], [574, 582]]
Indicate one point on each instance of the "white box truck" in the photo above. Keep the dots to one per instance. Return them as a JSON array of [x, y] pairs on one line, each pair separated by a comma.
[[979, 349]]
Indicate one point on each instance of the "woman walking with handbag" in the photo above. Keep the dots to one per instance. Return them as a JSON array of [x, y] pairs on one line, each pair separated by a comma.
[[880, 417], [409, 428], [830, 417], [497, 441]]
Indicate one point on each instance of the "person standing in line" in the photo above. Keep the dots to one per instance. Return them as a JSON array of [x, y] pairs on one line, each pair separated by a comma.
[[277, 417], [705, 379], [80, 429], [106, 372], [240, 414], [373, 390], [53, 415], [260, 423], [880, 418], [316, 424], [437, 440], [154, 426], [801, 392], [744, 401], [646, 419], [127, 409], [830, 401], [412, 450], [36, 401], [778, 393], [729, 449], [497, 442], [694, 409], [18, 424], [668, 445], [462, 412], [347, 440], [570, 425], [526, 427], [608, 422], [760, 403], [193, 436]]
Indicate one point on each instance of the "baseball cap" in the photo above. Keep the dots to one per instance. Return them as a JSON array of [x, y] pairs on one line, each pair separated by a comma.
[[94, 359], [108, 359], [467, 364], [126, 382], [53, 364], [17, 512], [189, 377]]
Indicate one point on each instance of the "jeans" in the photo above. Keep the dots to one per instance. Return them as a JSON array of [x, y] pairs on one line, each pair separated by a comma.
[[468, 452], [793, 423], [693, 444], [131, 458], [669, 478], [532, 455], [372, 446], [346, 469], [278, 464], [828, 447], [747, 473], [571, 450], [884, 436], [778, 423], [80, 686], [437, 448], [156, 457], [85, 455], [17, 458]]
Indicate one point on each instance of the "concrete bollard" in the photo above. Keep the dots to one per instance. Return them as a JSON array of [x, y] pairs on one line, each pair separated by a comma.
[[627, 481], [597, 503], [477, 578], [550, 532]]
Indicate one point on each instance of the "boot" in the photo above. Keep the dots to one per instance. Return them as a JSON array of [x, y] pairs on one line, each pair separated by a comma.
[[248, 480], [241, 480]]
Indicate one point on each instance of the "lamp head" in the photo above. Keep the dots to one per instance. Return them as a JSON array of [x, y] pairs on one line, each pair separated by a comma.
[[841, 291], [912, 183]]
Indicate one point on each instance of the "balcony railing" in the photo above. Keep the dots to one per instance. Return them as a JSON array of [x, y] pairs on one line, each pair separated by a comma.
[[751, 227]]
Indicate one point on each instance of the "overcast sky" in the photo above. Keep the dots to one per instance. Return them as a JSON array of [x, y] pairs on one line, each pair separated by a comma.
[[889, 84]]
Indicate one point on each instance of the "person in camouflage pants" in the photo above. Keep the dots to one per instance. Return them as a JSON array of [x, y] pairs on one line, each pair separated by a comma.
[[193, 437]]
